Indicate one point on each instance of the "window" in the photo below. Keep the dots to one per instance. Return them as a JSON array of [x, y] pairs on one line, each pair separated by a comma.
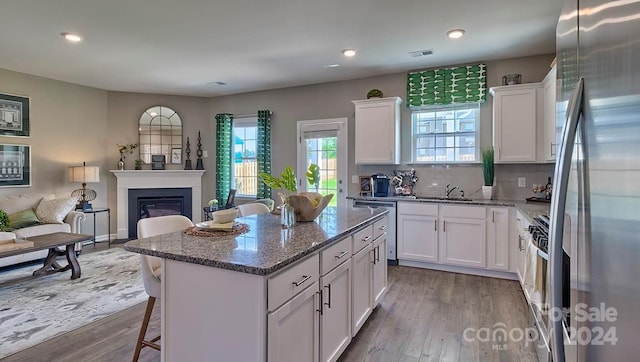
[[446, 134], [244, 177]]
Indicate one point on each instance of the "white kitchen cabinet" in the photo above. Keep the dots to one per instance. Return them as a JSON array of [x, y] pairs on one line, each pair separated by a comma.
[[377, 134], [294, 328], [516, 110], [379, 268], [462, 236], [361, 288], [498, 237], [417, 231], [521, 244], [335, 320], [549, 145]]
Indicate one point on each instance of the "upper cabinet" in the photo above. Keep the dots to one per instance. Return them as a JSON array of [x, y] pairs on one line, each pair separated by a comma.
[[549, 144], [517, 110], [378, 131]]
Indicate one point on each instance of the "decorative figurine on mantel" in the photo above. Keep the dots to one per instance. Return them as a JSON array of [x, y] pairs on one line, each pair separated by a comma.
[[187, 163], [199, 165]]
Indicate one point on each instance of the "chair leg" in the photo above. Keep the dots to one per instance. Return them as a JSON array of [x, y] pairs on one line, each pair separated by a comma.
[[143, 328]]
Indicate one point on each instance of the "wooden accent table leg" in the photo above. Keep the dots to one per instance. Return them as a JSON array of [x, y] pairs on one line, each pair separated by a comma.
[[73, 261], [50, 263]]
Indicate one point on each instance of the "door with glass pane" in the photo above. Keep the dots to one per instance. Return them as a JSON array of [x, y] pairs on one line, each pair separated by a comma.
[[324, 142]]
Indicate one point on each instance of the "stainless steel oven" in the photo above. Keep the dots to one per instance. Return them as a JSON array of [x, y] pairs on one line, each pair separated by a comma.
[[392, 259]]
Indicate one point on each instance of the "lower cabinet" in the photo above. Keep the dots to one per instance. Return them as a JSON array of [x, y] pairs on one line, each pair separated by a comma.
[[498, 238], [417, 230], [361, 288], [463, 242], [379, 268], [335, 319], [293, 328]]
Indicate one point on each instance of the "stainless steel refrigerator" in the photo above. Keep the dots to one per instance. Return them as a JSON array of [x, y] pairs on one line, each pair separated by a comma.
[[595, 210]]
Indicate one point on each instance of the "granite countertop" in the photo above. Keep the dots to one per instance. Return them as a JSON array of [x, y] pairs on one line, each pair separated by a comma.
[[529, 210], [265, 248]]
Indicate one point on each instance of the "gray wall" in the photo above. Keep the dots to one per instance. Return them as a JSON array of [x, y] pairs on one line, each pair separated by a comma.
[[72, 123], [331, 100]]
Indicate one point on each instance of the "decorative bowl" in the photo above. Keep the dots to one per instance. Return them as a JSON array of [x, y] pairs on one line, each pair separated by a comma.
[[308, 205], [224, 216]]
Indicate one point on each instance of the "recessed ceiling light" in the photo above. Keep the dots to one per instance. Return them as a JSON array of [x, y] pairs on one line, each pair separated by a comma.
[[348, 52], [332, 66], [217, 83], [455, 33], [74, 38]]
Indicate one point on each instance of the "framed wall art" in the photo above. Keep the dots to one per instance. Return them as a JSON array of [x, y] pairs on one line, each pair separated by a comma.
[[15, 166], [176, 155], [14, 115]]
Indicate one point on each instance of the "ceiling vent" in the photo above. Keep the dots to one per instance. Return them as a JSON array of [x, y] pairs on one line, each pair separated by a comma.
[[421, 53]]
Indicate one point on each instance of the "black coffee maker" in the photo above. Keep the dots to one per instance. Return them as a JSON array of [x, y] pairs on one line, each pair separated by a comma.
[[380, 184]]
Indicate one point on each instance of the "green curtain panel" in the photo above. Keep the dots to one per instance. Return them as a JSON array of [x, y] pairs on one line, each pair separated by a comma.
[[224, 128], [264, 152], [465, 84]]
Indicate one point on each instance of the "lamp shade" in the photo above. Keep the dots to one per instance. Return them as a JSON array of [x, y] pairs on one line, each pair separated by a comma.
[[82, 174]]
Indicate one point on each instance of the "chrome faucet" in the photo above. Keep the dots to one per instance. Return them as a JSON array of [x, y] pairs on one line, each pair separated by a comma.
[[448, 191]]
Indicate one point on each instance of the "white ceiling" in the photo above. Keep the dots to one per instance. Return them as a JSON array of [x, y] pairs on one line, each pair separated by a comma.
[[181, 47]]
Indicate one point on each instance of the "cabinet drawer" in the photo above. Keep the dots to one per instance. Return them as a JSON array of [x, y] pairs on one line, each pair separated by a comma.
[[417, 208], [380, 227], [362, 238], [292, 281], [335, 255], [468, 212]]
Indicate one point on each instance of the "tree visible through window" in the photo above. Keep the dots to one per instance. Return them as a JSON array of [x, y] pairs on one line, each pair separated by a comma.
[[245, 167], [446, 134]]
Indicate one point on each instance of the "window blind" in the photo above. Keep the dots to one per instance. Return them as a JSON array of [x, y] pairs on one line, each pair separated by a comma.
[[454, 85]]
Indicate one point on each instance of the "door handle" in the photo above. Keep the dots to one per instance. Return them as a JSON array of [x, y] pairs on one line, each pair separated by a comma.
[[328, 304], [366, 238], [341, 255], [320, 310], [558, 205], [301, 281], [444, 226]]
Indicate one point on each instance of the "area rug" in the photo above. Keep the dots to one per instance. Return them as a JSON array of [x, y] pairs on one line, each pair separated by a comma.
[[33, 310]]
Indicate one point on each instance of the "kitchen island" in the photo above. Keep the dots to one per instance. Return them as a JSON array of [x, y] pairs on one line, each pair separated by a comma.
[[260, 295]]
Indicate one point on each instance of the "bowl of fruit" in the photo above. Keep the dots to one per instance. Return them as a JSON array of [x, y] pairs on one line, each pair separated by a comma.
[[308, 205]]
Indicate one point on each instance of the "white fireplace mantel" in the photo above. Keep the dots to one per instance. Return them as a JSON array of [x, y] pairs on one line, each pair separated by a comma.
[[155, 179]]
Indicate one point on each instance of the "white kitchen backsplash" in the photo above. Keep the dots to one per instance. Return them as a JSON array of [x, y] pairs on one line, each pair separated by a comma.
[[434, 179]]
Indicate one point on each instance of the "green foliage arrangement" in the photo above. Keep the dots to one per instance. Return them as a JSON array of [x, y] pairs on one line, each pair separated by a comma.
[[313, 175], [286, 182], [488, 166], [4, 221]]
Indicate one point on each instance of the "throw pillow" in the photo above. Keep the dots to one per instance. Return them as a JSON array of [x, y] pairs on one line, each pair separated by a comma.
[[54, 211], [23, 219]]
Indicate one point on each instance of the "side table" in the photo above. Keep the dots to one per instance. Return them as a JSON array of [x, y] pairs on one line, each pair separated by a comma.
[[97, 210], [207, 211]]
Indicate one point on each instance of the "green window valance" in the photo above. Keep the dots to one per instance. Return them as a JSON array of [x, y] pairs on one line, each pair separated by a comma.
[[464, 84]]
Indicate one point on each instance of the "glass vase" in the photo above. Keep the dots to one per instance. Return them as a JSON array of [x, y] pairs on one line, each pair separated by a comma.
[[287, 216], [121, 165]]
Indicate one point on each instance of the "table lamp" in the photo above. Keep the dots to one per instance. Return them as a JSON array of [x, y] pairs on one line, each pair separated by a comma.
[[84, 174]]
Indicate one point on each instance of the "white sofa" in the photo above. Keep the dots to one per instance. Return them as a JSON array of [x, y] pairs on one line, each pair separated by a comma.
[[15, 203]]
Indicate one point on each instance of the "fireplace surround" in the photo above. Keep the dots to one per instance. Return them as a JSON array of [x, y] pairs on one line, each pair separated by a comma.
[[155, 179]]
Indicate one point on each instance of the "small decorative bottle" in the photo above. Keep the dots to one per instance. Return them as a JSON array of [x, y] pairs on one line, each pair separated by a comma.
[[548, 188], [121, 164]]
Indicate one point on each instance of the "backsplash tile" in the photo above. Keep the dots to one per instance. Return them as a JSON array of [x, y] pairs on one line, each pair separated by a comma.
[[434, 178]]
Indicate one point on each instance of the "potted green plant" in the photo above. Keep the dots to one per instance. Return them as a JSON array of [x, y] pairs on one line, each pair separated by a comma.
[[4, 221], [288, 186], [138, 164], [488, 173]]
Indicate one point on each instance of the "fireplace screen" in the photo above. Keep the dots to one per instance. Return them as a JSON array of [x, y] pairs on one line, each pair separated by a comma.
[[144, 203]]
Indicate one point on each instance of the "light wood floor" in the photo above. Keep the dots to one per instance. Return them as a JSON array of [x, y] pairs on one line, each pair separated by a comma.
[[421, 318]]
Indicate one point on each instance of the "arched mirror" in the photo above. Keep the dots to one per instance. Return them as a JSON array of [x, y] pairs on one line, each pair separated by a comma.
[[160, 134]]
